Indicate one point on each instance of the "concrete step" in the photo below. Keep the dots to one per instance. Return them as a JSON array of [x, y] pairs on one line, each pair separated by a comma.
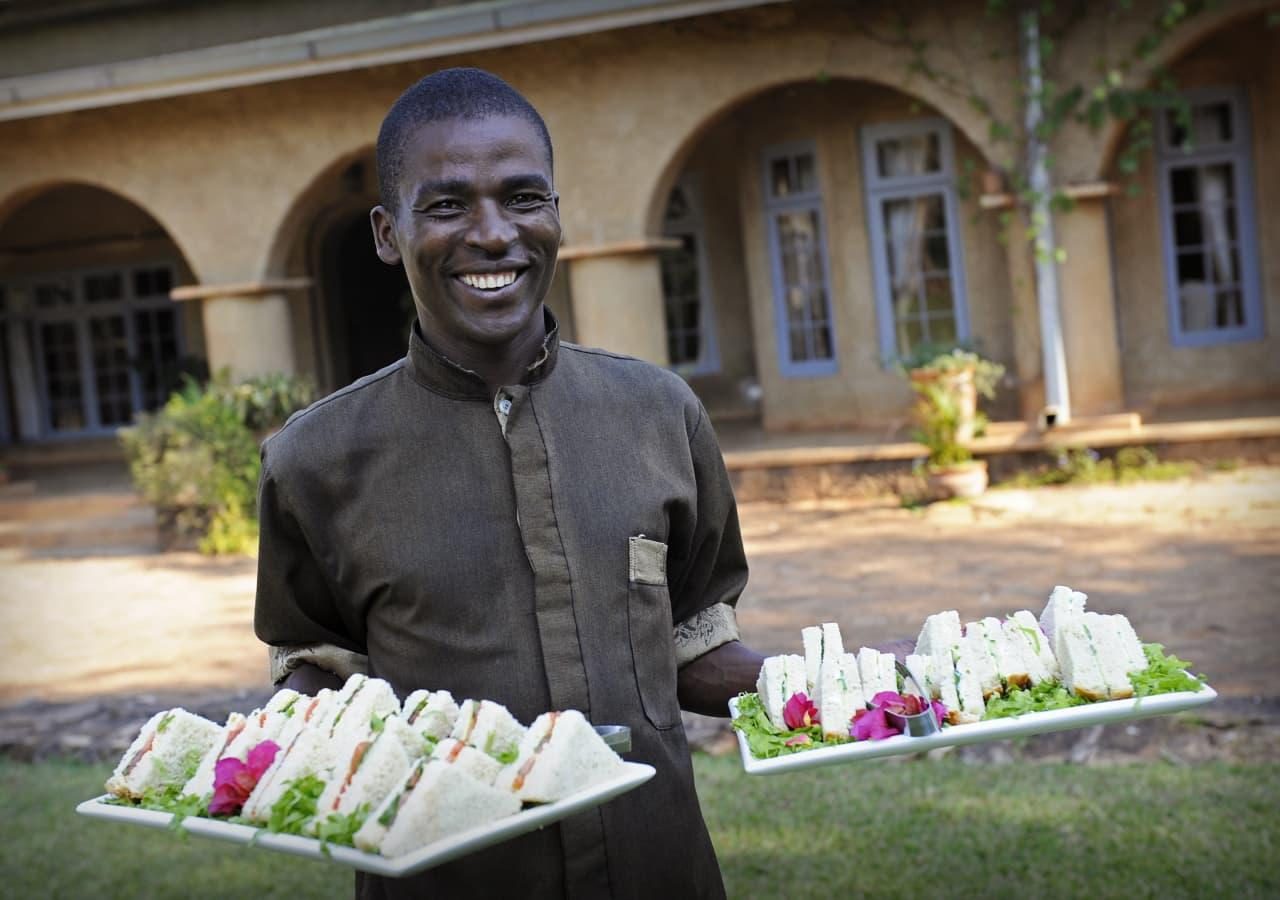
[[130, 526]]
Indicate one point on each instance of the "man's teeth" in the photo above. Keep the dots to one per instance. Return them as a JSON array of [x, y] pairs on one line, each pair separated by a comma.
[[489, 282]]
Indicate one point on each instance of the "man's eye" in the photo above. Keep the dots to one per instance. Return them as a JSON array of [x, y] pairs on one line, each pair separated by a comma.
[[441, 208], [527, 200]]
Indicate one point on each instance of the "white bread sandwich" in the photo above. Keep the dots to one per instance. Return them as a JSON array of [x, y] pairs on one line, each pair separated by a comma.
[[918, 666], [977, 655], [840, 694], [560, 755], [1135, 657], [307, 712], [1082, 671], [488, 727], [780, 678], [1064, 606], [1023, 633], [434, 801], [201, 783], [940, 682], [361, 701], [1012, 667], [166, 752], [431, 713], [375, 767], [940, 634], [1100, 652], [480, 766], [820, 642], [968, 661], [305, 755], [877, 672]]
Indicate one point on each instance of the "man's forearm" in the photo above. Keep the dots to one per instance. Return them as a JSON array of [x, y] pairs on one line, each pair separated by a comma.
[[309, 679], [706, 684]]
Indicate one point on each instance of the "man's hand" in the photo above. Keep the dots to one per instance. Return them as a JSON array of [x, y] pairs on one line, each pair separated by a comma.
[[309, 679], [708, 683]]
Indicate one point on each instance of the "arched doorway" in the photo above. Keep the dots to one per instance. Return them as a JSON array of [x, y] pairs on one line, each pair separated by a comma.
[[88, 334], [367, 304]]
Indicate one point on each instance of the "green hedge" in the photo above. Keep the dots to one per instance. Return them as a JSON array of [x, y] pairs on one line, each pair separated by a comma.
[[196, 458]]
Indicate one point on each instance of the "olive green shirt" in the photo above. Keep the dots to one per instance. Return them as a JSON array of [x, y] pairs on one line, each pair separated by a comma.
[[537, 548]]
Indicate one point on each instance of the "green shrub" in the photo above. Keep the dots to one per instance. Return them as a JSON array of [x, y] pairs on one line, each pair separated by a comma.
[[196, 459], [1081, 465]]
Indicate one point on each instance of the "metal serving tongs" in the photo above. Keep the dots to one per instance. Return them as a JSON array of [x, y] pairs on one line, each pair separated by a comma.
[[923, 723], [618, 737]]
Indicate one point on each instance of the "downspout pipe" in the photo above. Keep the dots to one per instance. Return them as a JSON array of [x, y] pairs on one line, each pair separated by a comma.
[[1057, 394]]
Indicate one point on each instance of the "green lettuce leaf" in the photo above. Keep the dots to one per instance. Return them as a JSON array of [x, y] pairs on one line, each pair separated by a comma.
[[341, 828], [296, 806], [1042, 697], [1164, 674], [767, 741]]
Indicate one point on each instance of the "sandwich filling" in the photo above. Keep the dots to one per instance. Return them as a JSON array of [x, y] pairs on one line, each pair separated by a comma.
[[523, 772]]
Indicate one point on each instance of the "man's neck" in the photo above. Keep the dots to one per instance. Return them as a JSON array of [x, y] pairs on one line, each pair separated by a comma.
[[496, 364]]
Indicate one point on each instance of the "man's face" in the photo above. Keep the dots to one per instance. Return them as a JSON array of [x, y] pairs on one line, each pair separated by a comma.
[[477, 227]]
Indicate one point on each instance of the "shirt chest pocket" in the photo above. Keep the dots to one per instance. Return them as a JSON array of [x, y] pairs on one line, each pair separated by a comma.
[[650, 627]]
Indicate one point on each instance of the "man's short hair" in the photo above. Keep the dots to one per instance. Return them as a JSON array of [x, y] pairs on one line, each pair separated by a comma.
[[447, 94]]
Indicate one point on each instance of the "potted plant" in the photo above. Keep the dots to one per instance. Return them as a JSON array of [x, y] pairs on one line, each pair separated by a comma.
[[947, 382]]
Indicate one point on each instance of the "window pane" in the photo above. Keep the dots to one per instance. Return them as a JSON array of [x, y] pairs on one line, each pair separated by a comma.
[[938, 296], [110, 349], [1216, 184], [1225, 260], [151, 282], [682, 301], [677, 206], [910, 333], [806, 174], [1186, 229], [780, 177], [157, 361], [1230, 310], [1185, 183], [937, 254], [822, 342], [1191, 267], [60, 356], [51, 294], [917, 154], [942, 330], [1198, 306], [103, 288]]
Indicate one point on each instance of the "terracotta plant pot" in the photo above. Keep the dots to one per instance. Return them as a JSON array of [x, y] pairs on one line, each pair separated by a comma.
[[968, 479]]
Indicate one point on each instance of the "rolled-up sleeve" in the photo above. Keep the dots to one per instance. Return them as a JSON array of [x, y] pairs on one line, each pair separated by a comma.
[[296, 610], [710, 572]]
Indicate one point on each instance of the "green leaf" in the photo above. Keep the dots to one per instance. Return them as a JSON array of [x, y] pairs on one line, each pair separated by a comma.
[[1042, 697], [766, 741], [296, 806], [341, 828], [1163, 674]]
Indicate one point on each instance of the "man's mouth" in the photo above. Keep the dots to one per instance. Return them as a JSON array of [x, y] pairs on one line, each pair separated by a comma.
[[490, 281]]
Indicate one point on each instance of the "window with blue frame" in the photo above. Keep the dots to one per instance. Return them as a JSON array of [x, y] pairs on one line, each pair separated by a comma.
[[917, 265], [1207, 221], [798, 254], [691, 337]]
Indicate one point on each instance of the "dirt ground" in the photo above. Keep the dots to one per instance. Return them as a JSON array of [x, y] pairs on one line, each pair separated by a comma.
[[1195, 564]]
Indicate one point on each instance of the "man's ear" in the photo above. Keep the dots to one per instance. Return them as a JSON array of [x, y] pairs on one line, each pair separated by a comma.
[[384, 235]]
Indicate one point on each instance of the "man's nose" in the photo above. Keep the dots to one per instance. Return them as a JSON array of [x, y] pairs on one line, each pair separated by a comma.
[[491, 230]]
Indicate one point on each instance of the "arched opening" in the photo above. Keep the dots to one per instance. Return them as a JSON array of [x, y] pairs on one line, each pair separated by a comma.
[[356, 317], [88, 334], [823, 233], [1195, 229]]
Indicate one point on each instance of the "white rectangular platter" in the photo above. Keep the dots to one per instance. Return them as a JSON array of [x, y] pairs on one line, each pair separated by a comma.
[[1105, 712], [529, 819]]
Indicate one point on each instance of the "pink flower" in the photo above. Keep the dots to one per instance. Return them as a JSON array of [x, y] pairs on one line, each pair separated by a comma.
[[233, 780], [798, 740], [939, 711], [799, 712], [871, 725]]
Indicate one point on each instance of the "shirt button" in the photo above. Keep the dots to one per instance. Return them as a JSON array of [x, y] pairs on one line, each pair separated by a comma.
[[504, 406]]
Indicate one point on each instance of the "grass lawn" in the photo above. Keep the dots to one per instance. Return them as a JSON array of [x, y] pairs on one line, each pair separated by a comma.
[[913, 829]]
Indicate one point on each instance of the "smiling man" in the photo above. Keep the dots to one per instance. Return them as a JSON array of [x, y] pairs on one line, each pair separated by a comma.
[[509, 516]]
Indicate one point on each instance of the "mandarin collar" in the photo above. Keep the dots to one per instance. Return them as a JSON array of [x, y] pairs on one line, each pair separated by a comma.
[[435, 371]]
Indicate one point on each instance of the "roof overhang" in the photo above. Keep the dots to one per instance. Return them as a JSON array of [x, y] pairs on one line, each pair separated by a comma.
[[395, 39]]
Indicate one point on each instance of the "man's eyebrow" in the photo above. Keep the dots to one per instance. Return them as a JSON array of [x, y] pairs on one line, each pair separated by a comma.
[[532, 180], [457, 187], [448, 186]]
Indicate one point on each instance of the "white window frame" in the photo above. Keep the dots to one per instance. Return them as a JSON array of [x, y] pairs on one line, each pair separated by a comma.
[[1239, 153], [807, 202], [690, 225], [878, 189], [78, 313]]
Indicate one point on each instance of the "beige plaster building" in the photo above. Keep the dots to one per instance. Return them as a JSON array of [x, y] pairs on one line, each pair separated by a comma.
[[756, 193]]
